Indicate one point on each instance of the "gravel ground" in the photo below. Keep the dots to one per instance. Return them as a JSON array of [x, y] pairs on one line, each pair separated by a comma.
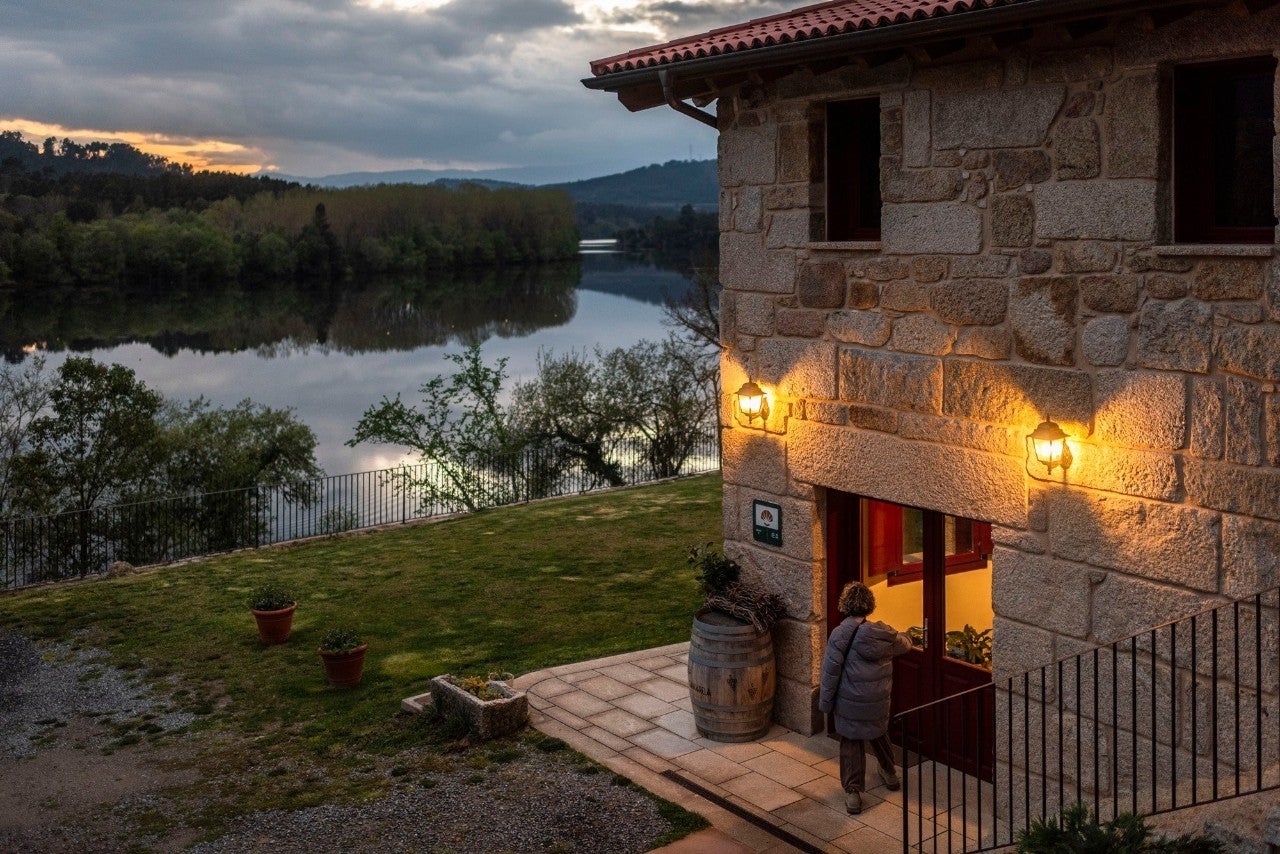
[[57, 705], [44, 688], [537, 804]]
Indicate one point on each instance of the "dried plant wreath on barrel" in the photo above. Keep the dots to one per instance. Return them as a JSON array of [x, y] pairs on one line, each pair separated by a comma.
[[760, 608], [723, 591]]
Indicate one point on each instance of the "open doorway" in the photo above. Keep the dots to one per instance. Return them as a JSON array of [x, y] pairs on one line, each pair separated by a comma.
[[931, 575]]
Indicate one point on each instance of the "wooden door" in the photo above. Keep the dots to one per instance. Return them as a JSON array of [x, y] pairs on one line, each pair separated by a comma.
[[931, 576]]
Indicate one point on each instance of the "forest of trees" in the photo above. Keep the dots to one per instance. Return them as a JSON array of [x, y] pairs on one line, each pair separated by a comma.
[[74, 443], [690, 234], [580, 410], [108, 214]]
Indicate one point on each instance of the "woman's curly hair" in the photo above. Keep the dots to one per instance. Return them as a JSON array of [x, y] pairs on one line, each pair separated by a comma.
[[857, 600]]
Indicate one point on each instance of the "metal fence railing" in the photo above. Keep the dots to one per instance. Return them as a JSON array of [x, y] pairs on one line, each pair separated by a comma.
[[41, 549], [1180, 715]]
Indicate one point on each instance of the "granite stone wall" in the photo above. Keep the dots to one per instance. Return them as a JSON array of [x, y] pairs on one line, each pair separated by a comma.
[[1026, 268]]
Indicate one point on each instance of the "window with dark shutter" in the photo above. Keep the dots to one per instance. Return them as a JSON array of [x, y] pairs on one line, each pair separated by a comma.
[[852, 171], [1224, 125]]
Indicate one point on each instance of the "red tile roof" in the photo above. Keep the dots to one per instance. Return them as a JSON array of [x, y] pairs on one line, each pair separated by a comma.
[[809, 22]]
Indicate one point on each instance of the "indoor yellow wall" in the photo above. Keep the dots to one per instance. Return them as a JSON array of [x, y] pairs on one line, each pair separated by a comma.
[[969, 600], [900, 605]]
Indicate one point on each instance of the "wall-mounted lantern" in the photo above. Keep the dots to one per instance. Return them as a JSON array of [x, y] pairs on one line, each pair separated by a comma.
[[752, 402], [1049, 443]]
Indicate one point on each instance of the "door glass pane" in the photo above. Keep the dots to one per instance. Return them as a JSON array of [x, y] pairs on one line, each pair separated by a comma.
[[959, 536], [968, 598], [901, 604], [912, 536]]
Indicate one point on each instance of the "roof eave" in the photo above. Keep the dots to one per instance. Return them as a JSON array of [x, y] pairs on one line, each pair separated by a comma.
[[640, 89]]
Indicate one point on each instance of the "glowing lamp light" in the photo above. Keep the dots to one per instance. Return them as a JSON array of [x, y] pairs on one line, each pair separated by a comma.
[[1050, 446], [752, 402]]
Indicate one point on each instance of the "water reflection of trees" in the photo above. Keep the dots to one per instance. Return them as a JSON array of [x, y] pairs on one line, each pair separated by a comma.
[[386, 314]]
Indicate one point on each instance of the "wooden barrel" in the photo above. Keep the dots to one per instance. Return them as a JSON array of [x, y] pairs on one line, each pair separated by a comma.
[[732, 678]]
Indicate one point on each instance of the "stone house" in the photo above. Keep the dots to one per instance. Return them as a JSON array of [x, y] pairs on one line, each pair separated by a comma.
[[944, 223]]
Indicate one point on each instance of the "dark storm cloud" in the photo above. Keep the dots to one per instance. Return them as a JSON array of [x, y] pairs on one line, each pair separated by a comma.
[[315, 82], [682, 17]]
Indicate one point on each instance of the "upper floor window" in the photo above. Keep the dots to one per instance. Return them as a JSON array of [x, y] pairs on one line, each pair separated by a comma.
[[852, 170], [1224, 125]]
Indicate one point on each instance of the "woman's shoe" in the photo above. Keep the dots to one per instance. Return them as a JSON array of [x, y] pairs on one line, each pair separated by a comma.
[[891, 781]]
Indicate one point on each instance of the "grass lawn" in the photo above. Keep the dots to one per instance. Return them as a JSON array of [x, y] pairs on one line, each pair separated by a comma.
[[514, 589]]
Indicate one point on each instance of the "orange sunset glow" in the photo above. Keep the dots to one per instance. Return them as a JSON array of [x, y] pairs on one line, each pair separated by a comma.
[[212, 154]]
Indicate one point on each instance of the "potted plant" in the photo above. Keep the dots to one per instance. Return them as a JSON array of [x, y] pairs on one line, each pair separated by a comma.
[[970, 645], [342, 651], [732, 675], [490, 706], [273, 608]]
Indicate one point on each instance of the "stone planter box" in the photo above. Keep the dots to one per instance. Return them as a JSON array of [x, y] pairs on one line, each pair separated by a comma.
[[485, 718]]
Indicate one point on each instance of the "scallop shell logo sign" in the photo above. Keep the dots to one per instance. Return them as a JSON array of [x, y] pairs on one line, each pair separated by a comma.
[[768, 523]]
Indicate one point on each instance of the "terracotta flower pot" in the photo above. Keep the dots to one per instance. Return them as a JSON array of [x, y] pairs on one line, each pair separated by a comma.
[[344, 669], [275, 626]]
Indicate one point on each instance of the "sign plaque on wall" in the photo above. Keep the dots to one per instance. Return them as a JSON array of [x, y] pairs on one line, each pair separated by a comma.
[[767, 526]]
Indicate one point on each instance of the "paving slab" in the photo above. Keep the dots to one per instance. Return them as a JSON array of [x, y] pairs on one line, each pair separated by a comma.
[[645, 706], [664, 689], [661, 742], [580, 703], [626, 673], [783, 769], [632, 713], [761, 791], [818, 819], [711, 766], [621, 723], [605, 688], [709, 841]]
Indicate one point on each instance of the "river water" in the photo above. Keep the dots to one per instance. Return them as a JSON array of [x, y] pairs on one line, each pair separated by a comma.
[[329, 354]]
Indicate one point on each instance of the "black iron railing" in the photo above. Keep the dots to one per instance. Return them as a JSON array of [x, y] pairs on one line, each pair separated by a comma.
[[1177, 716], [40, 549]]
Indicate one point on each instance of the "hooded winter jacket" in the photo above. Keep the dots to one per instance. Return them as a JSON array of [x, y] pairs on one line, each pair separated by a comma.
[[859, 694]]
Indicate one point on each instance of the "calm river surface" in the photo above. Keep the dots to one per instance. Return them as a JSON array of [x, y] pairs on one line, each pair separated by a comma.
[[330, 355]]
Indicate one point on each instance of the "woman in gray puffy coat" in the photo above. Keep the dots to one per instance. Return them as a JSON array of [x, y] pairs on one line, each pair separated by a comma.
[[857, 677]]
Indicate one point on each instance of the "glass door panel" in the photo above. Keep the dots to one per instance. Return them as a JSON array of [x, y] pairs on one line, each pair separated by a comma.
[[967, 597], [969, 616], [894, 538]]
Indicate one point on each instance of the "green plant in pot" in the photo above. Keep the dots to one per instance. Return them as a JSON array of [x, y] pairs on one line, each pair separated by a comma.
[[273, 607], [342, 651], [970, 645], [732, 675]]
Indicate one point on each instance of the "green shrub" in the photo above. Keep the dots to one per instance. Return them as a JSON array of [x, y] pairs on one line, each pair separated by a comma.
[[340, 640], [1078, 831], [271, 597], [715, 571]]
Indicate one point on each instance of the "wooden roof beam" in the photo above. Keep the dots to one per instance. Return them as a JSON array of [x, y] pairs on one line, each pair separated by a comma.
[[1086, 27], [940, 50], [875, 59], [1161, 18], [1012, 38]]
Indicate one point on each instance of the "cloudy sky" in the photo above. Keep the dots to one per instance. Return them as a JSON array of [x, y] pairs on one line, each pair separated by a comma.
[[317, 87]]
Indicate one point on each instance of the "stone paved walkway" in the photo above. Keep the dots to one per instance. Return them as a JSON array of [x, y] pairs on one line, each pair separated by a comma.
[[632, 713]]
